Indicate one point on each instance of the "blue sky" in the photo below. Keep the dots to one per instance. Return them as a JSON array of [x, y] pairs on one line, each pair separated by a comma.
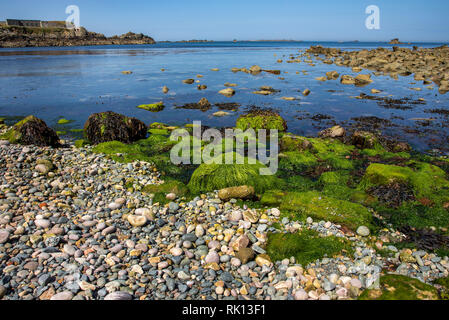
[[409, 20]]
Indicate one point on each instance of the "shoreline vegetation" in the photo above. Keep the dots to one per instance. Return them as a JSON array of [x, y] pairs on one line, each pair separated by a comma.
[[348, 215]]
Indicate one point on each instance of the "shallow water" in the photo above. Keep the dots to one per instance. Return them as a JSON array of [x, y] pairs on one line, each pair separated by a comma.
[[75, 82]]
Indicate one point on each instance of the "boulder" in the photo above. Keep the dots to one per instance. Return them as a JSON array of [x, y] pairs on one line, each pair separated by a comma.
[[111, 126], [242, 192], [347, 79], [363, 80], [228, 92], [334, 132], [32, 131]]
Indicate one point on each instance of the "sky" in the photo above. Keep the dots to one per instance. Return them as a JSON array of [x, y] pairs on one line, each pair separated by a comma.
[[313, 20]]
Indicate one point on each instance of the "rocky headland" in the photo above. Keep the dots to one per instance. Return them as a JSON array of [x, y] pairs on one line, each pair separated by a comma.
[[15, 37]]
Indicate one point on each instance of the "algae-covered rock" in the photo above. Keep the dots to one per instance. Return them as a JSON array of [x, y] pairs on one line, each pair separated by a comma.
[[365, 140], [306, 246], [289, 142], [111, 126], [261, 119], [160, 191], [152, 107], [426, 180], [213, 176], [398, 287], [241, 192], [315, 205], [31, 131]]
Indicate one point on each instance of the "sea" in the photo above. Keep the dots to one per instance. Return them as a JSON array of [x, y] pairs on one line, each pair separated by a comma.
[[75, 82]]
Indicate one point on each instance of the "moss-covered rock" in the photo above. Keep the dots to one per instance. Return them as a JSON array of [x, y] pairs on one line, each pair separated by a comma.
[[306, 246], [81, 143], [365, 140], [398, 287], [426, 180], [272, 198], [152, 107], [315, 205], [111, 126], [160, 191], [210, 177], [289, 142], [261, 119], [31, 130], [64, 121]]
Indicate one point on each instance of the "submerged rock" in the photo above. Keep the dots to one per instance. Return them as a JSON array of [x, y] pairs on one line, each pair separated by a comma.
[[242, 192]]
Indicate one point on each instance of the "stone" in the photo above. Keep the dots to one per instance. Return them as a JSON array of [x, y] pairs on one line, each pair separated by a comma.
[[242, 192], [363, 231], [137, 221], [111, 126], [301, 294], [212, 257], [65, 295], [334, 132], [119, 295], [4, 236], [32, 131], [228, 92], [245, 255], [263, 260], [363, 80]]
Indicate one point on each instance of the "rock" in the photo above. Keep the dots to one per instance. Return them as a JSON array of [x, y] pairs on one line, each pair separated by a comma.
[[204, 103], [406, 256], [228, 92], [363, 80], [42, 223], [334, 132], [32, 131], [263, 260], [255, 69], [242, 192], [332, 75], [306, 92], [65, 295], [245, 255], [375, 91], [235, 216], [188, 81], [137, 221], [347, 79], [111, 126], [212, 257], [2, 291], [165, 89], [221, 114], [321, 79], [118, 295], [363, 231], [364, 139], [4, 236], [301, 294], [171, 196]]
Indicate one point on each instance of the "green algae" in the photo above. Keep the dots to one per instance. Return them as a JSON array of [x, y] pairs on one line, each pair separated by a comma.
[[160, 191], [152, 107], [398, 287], [314, 204], [306, 246], [213, 176], [64, 121], [261, 120], [81, 143]]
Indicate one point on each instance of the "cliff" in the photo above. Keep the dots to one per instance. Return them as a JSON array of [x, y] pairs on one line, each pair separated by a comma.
[[15, 37]]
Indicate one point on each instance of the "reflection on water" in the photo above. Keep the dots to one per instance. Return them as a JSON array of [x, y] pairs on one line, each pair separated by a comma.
[[76, 82]]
